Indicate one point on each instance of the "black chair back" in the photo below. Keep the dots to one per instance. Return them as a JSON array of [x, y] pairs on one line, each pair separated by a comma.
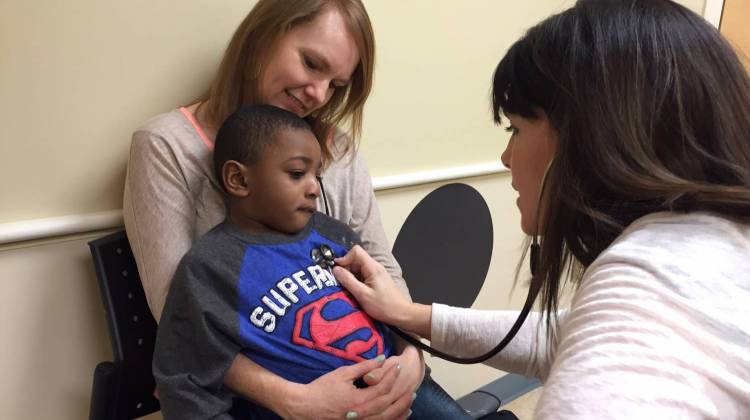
[[123, 389]]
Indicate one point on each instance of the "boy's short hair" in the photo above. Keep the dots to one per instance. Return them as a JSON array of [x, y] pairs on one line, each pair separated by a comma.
[[247, 132]]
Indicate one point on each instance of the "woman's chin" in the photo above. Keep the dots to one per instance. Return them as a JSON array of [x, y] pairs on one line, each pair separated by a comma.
[[527, 226]]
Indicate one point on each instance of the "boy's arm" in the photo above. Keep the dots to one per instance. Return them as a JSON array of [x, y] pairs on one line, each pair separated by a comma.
[[195, 346]]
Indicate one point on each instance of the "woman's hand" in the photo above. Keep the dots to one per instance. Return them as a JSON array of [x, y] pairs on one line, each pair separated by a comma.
[[407, 382], [333, 395], [377, 293]]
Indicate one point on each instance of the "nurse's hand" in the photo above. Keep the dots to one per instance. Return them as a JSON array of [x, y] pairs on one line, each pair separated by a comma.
[[378, 295]]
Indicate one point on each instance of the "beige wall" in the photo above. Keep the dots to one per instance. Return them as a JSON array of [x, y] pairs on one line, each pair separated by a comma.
[[734, 26], [76, 77]]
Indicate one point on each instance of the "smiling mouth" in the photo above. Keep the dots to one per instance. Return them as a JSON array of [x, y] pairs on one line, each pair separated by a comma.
[[296, 102]]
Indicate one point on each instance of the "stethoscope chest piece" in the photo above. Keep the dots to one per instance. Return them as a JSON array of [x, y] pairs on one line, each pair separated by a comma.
[[323, 256]]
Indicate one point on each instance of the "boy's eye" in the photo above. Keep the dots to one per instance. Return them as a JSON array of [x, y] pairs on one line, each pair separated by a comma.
[[296, 174], [511, 129]]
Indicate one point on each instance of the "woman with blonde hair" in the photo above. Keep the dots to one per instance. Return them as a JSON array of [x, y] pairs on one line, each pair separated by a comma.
[[314, 58]]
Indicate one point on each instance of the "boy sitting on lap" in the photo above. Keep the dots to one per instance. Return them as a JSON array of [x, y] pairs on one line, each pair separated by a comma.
[[260, 282]]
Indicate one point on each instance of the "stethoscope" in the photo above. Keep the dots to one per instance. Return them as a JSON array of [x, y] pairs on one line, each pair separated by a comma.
[[324, 257]]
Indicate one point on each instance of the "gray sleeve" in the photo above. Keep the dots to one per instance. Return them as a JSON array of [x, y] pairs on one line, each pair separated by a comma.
[[159, 214], [196, 344], [366, 222]]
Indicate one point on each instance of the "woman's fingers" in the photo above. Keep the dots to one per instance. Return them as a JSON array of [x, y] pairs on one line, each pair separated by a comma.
[[376, 398], [374, 296], [359, 262], [350, 256], [401, 409], [374, 377], [361, 369], [351, 283]]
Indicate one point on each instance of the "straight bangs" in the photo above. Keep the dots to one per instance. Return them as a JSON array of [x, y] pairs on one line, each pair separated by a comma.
[[519, 86]]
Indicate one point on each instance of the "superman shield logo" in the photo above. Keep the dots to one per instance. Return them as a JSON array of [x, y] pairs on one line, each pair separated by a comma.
[[335, 324]]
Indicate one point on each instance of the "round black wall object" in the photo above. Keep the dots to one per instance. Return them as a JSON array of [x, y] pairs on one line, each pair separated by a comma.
[[445, 246]]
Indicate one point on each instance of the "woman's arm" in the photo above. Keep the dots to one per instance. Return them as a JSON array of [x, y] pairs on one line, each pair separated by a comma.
[[643, 340], [159, 214], [463, 332], [469, 332]]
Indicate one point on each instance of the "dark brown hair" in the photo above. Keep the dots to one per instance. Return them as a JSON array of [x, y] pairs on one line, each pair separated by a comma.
[[652, 111], [236, 80]]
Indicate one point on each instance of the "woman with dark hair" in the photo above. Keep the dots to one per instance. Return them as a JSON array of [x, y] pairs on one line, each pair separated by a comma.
[[630, 152]]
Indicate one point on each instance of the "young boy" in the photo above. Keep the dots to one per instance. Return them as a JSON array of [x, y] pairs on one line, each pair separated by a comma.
[[260, 282]]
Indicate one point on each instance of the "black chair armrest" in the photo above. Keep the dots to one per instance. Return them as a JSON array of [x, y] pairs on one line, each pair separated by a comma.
[[479, 404], [490, 397], [104, 391]]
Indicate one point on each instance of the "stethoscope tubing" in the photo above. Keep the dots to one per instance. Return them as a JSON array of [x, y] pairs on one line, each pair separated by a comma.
[[534, 288]]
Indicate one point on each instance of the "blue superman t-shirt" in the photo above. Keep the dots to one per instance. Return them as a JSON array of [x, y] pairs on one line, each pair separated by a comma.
[[265, 297], [295, 319]]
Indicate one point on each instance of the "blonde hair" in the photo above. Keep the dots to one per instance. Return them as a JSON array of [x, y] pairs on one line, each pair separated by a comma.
[[236, 82]]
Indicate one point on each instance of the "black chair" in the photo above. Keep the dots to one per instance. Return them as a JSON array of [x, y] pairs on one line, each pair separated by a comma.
[[444, 249], [123, 388]]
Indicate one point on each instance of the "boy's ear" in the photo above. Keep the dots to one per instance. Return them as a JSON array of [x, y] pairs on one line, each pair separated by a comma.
[[235, 177]]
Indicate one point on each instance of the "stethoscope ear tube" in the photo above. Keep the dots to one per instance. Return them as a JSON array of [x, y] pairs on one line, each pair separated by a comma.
[[534, 288]]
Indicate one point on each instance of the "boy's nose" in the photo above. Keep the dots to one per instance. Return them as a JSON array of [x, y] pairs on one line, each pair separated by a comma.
[[313, 188]]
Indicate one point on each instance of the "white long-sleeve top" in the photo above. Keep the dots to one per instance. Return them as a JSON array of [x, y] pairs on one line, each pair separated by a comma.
[[659, 328]]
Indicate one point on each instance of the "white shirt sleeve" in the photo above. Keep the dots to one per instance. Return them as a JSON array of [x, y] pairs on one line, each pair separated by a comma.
[[471, 332]]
